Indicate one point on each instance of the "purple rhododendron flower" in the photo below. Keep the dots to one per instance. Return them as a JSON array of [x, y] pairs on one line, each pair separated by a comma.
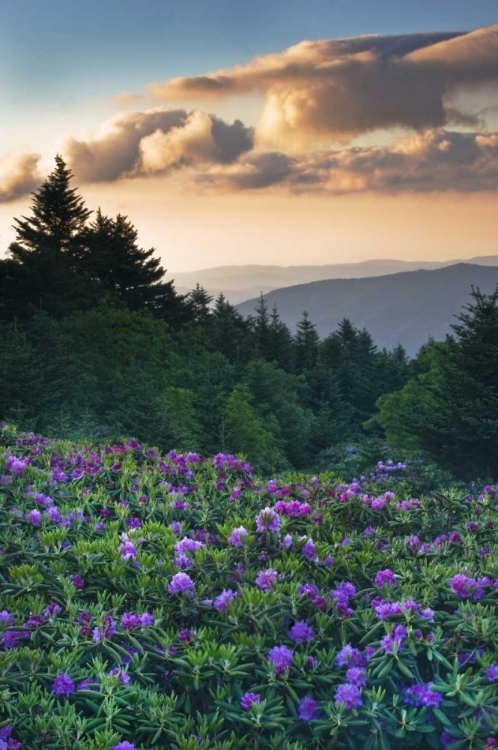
[[356, 676], [280, 657], [492, 673], [237, 536], [266, 578], [307, 709], [63, 685], [349, 657], [34, 517], [221, 601], [469, 588], [267, 520], [6, 618], [301, 632], [348, 696], [393, 641], [422, 695], [248, 699], [123, 746], [181, 583], [385, 578], [308, 550]]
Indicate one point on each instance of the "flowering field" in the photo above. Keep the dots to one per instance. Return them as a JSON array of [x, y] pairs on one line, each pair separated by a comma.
[[152, 601]]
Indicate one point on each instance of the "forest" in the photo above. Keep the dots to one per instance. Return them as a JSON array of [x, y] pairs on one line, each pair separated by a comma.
[[94, 344]]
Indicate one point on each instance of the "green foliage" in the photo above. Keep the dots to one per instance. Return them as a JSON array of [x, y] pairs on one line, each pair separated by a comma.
[[450, 410], [98, 648], [251, 435]]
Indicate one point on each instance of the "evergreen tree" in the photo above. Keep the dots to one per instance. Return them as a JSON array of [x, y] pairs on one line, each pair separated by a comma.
[[451, 411], [228, 332], [306, 343], [280, 341], [260, 330], [200, 301], [59, 218], [277, 395], [128, 273], [44, 268]]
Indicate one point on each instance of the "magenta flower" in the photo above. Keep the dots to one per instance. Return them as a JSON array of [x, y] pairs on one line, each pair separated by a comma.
[[349, 657], [348, 695], [307, 709], [248, 699], [221, 601], [266, 578], [237, 537], [301, 632], [34, 517], [356, 676], [492, 673], [181, 583], [267, 520], [63, 685], [280, 657], [385, 578], [422, 695]]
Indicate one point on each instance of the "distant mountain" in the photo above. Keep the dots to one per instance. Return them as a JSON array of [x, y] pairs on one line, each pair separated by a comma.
[[239, 283], [404, 308]]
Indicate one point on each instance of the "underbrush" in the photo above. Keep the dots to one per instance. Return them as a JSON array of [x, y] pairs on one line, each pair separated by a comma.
[[171, 601]]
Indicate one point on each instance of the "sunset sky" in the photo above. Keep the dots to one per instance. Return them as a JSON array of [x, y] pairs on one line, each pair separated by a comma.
[[276, 131]]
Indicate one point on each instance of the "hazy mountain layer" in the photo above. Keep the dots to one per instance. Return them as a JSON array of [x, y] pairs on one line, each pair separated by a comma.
[[404, 308], [239, 283]]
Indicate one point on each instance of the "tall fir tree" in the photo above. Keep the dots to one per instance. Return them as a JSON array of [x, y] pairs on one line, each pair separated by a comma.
[[128, 273], [260, 331], [228, 332], [280, 339], [44, 259], [200, 301], [306, 342], [451, 410]]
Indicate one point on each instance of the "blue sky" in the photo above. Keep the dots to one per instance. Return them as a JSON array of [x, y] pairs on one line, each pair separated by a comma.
[[63, 51]]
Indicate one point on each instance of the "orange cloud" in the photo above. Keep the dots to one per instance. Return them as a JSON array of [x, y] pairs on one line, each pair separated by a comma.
[[144, 143], [19, 176], [340, 88], [437, 160], [126, 98]]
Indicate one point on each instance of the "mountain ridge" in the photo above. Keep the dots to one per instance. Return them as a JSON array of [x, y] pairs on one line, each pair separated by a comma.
[[402, 308]]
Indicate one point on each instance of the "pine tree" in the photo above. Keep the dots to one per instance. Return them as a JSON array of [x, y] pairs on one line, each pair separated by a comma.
[[200, 301], [306, 343], [451, 410], [228, 331], [280, 341], [58, 222], [128, 273], [260, 330], [46, 274]]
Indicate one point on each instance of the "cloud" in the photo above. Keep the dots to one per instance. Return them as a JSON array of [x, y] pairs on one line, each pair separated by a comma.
[[337, 89], [19, 176], [437, 160], [143, 143], [127, 98]]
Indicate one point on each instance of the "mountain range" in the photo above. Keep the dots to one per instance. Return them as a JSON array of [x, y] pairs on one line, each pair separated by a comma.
[[240, 283], [396, 308]]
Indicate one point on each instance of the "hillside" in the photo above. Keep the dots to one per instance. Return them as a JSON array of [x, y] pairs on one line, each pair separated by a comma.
[[404, 308], [240, 283]]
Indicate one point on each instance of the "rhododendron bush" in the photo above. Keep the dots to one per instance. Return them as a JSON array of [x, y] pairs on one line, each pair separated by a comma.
[[175, 601]]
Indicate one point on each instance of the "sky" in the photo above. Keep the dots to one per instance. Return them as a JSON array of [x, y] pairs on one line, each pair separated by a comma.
[[276, 131]]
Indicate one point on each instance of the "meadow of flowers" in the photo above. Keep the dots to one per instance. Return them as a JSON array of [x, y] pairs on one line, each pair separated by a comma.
[[172, 601]]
